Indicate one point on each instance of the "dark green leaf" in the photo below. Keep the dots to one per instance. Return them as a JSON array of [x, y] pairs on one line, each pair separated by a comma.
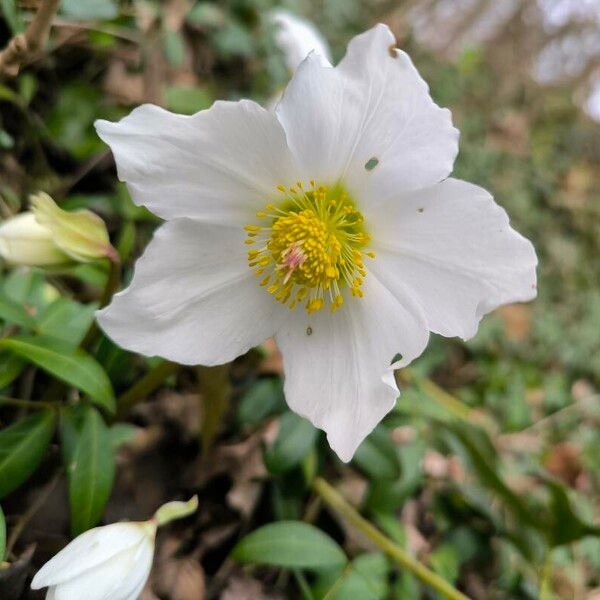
[[290, 544], [91, 473], [76, 368], [122, 433], [264, 398], [22, 448], [564, 526], [294, 440], [377, 456], [11, 367]]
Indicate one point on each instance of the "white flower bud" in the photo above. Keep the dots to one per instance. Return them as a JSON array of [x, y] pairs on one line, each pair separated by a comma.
[[23, 241], [108, 563], [48, 236]]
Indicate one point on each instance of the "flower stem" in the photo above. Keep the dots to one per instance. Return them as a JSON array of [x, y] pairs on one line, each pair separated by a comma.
[[35, 404], [112, 284], [147, 384], [338, 504]]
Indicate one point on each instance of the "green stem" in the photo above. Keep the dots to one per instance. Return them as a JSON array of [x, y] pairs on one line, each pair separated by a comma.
[[112, 285], [215, 391], [35, 404], [303, 585], [546, 578], [337, 503], [144, 386]]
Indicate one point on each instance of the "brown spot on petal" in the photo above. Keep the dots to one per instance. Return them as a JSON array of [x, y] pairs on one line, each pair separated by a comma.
[[309, 330], [392, 51]]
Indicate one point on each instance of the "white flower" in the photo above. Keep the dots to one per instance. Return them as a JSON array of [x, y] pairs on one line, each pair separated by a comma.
[[297, 38], [330, 223], [108, 563], [105, 563]]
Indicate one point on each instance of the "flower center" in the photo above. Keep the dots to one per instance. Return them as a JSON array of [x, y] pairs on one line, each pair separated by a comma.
[[310, 249]]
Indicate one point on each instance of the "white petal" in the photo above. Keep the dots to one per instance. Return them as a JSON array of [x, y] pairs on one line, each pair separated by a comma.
[[114, 579], [372, 107], [193, 298], [50, 595], [297, 37], [219, 165], [338, 366], [451, 248], [87, 551]]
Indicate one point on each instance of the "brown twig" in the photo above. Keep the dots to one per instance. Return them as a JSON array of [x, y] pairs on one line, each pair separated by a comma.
[[24, 45]]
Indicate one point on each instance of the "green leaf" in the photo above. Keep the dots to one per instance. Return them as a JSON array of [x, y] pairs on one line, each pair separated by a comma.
[[11, 367], [294, 441], [174, 47], [264, 398], [67, 320], [445, 562], [482, 456], [76, 368], [14, 313], [187, 100], [122, 433], [22, 448], [10, 12], [2, 536], [290, 544], [377, 456], [564, 526], [91, 473], [365, 579]]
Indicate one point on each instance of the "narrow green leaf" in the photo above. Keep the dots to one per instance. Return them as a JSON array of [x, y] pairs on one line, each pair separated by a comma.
[[22, 448], [91, 473], [76, 368], [377, 456], [290, 544], [564, 525], [2, 536], [295, 439]]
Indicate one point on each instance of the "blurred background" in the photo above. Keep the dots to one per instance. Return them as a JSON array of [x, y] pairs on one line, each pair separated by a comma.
[[489, 436]]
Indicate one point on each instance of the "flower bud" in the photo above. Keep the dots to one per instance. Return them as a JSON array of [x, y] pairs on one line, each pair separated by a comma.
[[80, 234], [49, 236], [23, 241], [113, 561]]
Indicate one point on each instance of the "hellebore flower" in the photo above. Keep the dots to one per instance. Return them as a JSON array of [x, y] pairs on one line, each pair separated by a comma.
[[108, 563], [48, 236], [330, 223], [297, 38]]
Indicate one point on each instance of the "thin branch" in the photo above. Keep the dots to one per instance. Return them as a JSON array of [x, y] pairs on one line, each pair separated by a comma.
[[24, 45]]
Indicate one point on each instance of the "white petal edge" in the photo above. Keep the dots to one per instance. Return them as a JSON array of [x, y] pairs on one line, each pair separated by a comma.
[[86, 551], [452, 250], [338, 367], [220, 165], [373, 105], [193, 299], [297, 37]]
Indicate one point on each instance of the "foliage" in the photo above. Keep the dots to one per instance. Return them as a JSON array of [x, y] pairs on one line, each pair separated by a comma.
[[484, 485]]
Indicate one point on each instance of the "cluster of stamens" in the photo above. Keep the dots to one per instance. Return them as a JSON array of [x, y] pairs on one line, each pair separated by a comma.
[[310, 248]]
